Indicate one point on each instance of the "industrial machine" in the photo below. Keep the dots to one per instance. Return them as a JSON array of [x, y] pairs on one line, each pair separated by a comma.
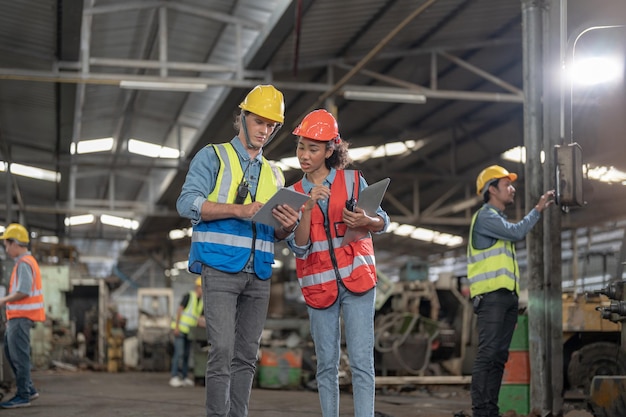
[[423, 327], [591, 345], [426, 328], [607, 390], [156, 309]]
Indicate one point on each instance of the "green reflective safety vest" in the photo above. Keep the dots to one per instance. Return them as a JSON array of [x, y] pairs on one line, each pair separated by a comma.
[[493, 268], [190, 315]]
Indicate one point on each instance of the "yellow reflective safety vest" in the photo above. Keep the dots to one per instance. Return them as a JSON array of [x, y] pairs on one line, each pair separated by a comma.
[[190, 315], [493, 268], [30, 307], [227, 244]]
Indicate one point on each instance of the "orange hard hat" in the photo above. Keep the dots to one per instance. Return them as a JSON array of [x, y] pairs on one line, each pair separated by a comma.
[[318, 125], [491, 173]]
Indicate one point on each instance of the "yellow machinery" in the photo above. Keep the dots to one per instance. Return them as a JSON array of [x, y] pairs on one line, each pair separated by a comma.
[[607, 390], [591, 344]]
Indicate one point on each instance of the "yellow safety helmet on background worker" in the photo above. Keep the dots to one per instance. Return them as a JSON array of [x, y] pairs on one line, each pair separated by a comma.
[[489, 174], [198, 282], [265, 101], [17, 232], [318, 125]]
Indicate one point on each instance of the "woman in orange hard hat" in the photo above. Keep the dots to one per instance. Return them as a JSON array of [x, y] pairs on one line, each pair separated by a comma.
[[493, 274], [227, 183], [336, 279]]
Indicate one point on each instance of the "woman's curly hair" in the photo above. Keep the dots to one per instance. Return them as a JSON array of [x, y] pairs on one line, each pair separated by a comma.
[[340, 157]]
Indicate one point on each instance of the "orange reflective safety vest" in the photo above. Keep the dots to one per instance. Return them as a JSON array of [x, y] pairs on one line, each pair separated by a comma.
[[327, 263], [30, 307]]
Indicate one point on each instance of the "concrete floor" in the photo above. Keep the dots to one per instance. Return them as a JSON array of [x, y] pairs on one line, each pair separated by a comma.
[[134, 394], [139, 394]]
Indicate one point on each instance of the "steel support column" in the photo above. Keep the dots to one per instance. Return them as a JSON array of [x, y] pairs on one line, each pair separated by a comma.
[[554, 51], [533, 141]]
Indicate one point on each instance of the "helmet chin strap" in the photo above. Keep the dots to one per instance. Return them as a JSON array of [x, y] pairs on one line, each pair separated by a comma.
[[245, 131], [244, 127]]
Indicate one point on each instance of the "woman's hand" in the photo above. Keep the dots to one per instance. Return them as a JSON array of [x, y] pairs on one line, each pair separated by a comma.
[[359, 219], [319, 192]]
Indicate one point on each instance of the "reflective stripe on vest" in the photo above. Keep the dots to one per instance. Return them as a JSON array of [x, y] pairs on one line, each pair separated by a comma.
[[226, 244], [493, 268], [189, 316], [31, 307], [327, 261]]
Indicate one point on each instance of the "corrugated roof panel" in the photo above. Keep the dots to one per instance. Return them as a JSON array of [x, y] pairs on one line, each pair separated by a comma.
[[482, 20], [27, 121], [121, 34], [192, 35], [28, 32], [320, 36], [27, 109]]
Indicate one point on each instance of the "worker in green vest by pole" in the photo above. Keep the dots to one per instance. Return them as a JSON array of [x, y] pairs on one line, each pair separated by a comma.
[[493, 274], [188, 315]]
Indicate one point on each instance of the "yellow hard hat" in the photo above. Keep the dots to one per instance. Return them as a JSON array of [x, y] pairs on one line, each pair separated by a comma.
[[491, 173], [198, 282], [265, 101], [17, 232]]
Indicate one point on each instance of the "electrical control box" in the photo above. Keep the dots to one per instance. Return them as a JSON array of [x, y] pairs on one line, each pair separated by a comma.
[[569, 175]]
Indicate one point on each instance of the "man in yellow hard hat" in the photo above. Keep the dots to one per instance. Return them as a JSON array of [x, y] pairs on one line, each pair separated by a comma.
[[493, 274], [226, 185], [188, 315], [24, 306]]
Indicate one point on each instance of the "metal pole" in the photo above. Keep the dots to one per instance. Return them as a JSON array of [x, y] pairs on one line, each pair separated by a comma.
[[553, 57], [533, 122]]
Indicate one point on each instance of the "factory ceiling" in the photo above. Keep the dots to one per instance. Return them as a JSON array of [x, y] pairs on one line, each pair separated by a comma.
[[428, 92]]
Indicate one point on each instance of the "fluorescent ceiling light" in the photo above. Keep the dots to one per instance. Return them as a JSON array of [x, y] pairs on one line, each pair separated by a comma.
[[78, 220], [404, 230], [181, 264], [289, 163], [388, 149], [180, 233], [163, 86], [425, 235], [119, 222], [410, 98], [607, 174], [365, 152], [362, 153], [92, 145], [49, 239], [151, 150], [518, 154], [31, 172]]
